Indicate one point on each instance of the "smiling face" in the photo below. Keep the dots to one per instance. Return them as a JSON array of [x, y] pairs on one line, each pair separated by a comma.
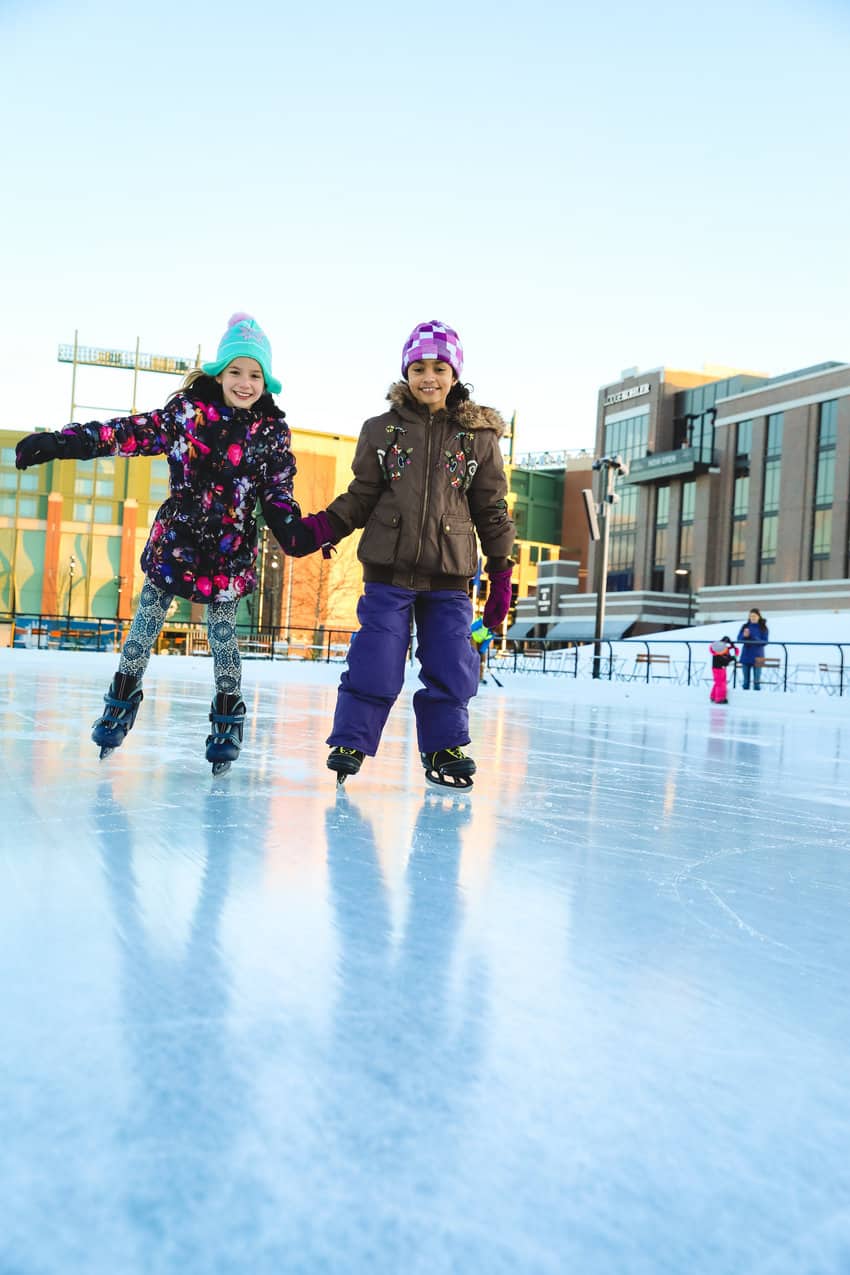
[[430, 381], [242, 382]]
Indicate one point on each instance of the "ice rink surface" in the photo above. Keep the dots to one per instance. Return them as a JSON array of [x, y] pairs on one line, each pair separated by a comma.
[[592, 1019]]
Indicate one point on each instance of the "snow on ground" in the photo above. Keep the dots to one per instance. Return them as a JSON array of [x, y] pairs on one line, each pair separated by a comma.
[[592, 1017]]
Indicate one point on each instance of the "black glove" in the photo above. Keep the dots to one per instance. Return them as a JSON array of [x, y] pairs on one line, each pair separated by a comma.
[[297, 538], [36, 449]]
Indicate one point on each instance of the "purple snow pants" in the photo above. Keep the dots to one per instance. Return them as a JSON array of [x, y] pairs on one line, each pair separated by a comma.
[[376, 662]]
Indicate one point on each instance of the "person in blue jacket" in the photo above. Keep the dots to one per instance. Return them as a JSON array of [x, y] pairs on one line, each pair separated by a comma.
[[752, 636]]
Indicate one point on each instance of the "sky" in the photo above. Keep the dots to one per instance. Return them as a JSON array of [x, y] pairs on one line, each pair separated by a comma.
[[576, 189]]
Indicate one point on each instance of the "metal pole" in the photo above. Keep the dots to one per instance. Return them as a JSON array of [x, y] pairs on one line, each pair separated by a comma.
[[291, 568], [135, 376], [72, 562], [74, 377], [600, 573], [608, 467]]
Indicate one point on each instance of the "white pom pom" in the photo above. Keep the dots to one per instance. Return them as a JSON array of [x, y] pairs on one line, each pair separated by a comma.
[[239, 317]]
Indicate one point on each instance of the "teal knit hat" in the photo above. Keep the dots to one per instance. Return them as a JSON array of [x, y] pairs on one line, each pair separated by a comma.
[[244, 338]]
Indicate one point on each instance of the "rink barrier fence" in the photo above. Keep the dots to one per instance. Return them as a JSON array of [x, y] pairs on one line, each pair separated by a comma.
[[683, 661], [679, 661]]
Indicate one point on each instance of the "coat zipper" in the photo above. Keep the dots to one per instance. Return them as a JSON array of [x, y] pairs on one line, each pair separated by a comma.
[[424, 502]]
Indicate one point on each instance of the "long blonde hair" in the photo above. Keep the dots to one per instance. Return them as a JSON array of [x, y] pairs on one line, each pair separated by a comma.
[[191, 377]]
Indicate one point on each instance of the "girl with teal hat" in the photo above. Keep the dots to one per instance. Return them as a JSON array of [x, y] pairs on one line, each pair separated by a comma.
[[228, 449]]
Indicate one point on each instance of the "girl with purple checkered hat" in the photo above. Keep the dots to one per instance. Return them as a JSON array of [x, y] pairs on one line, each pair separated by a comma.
[[429, 484], [228, 449]]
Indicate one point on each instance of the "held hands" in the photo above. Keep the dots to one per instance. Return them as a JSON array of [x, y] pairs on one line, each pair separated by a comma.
[[303, 536]]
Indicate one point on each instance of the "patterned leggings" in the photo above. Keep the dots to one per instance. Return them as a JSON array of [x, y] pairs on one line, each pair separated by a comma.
[[147, 625]]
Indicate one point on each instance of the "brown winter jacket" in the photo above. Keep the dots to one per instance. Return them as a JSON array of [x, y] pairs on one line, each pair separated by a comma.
[[423, 486]]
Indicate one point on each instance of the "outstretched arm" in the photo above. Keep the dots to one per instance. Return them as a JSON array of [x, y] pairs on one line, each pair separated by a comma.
[[146, 434]]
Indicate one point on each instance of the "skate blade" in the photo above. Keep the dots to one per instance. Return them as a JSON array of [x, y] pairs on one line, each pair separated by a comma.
[[455, 783], [104, 752], [220, 767]]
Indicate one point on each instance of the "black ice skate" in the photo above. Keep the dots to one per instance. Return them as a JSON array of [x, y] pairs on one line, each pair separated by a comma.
[[227, 714], [345, 761], [122, 702], [449, 767]]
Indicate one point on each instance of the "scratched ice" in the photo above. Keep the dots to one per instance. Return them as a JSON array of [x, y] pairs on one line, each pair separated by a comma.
[[592, 1019]]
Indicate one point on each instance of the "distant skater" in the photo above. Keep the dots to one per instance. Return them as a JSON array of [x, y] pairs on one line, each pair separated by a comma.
[[752, 636], [723, 653]]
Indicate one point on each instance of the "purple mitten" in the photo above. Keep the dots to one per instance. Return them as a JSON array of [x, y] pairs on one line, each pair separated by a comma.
[[498, 599], [320, 525]]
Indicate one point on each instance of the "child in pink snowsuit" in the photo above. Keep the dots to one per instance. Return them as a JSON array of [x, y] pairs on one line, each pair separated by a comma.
[[722, 654]]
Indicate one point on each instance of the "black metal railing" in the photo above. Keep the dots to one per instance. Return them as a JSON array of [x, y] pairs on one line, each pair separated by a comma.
[[683, 661], [82, 633]]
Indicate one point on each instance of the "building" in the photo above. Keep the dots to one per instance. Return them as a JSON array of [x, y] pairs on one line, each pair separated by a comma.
[[738, 493], [72, 533]]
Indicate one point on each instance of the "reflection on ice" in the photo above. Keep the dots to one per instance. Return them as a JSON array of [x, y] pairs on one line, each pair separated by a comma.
[[590, 1017]]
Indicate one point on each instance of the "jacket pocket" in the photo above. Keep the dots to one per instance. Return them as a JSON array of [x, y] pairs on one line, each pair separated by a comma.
[[379, 541], [459, 553]]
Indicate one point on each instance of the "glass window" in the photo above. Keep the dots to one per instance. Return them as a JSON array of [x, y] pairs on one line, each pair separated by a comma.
[[662, 507], [7, 456], [103, 512], [686, 545], [533, 554], [770, 502], [769, 528], [689, 500], [822, 533], [82, 513], [83, 486], [825, 484], [744, 440], [739, 542], [774, 434], [27, 507], [628, 438], [741, 496], [828, 426], [29, 482]]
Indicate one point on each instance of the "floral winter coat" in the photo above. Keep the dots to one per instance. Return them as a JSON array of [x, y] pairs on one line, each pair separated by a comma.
[[221, 461], [423, 487]]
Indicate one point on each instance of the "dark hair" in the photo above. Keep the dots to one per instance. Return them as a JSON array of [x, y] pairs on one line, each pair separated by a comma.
[[762, 619], [459, 393], [206, 389]]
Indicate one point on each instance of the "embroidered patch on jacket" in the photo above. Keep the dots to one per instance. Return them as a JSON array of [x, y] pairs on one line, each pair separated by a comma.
[[460, 460], [394, 457]]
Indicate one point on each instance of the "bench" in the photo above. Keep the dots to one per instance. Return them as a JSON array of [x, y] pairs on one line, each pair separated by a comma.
[[832, 677], [649, 666]]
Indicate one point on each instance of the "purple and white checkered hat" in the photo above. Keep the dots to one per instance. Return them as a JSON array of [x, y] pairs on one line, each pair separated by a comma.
[[433, 341]]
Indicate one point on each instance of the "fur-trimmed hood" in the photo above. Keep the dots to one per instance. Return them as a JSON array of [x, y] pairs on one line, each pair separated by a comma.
[[468, 415]]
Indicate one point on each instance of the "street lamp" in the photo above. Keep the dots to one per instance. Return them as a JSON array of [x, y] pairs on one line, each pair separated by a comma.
[[609, 468], [683, 572]]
